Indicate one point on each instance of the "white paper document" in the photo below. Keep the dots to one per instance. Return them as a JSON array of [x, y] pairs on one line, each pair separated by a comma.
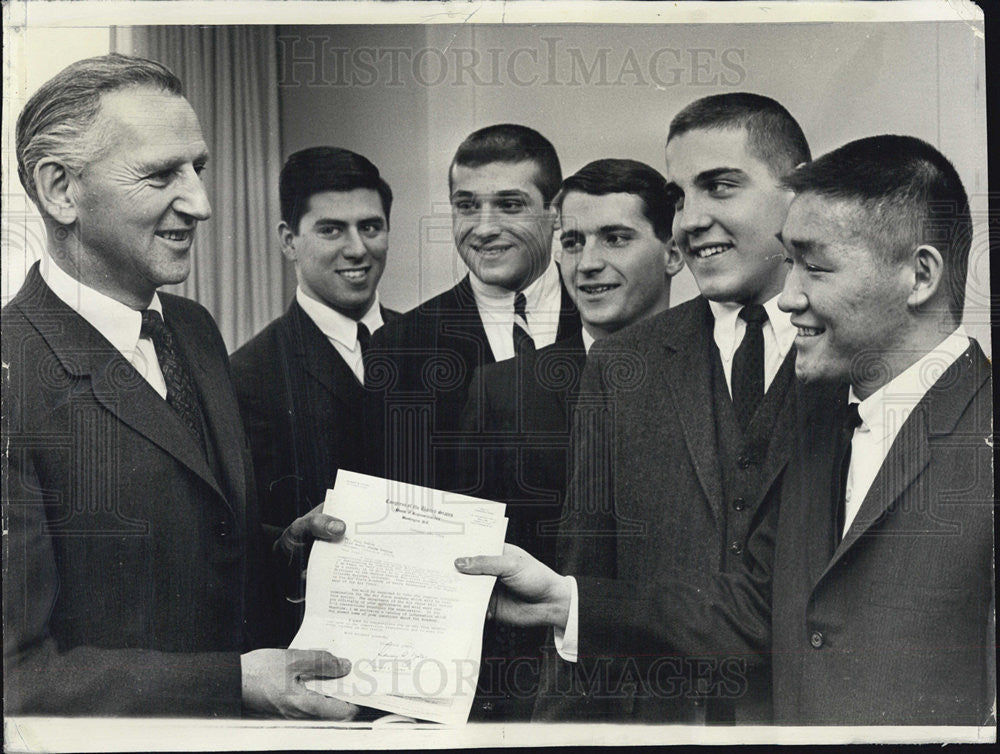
[[388, 598]]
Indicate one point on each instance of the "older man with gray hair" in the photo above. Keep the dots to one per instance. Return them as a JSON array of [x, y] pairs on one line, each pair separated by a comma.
[[133, 548]]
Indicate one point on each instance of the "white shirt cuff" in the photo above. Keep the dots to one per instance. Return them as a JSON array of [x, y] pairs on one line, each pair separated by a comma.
[[568, 641]]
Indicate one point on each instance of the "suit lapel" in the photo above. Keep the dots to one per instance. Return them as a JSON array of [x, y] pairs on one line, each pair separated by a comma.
[[85, 353], [936, 415], [217, 398], [688, 380], [319, 358], [780, 443], [460, 328]]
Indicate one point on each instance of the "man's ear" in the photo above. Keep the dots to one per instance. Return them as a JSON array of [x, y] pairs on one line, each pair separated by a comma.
[[928, 273], [287, 237], [672, 258], [55, 190]]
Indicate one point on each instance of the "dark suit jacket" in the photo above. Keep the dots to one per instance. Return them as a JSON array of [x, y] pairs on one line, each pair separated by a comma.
[[516, 441], [303, 411], [418, 372], [894, 625], [515, 450], [647, 502], [131, 569]]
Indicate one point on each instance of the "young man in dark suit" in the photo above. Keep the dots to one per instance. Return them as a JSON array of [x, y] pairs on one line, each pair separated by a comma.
[[883, 577], [300, 380], [133, 545], [617, 261], [687, 427], [880, 609], [502, 181]]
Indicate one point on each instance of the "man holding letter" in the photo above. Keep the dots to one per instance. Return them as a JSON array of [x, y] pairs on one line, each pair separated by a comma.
[[132, 539]]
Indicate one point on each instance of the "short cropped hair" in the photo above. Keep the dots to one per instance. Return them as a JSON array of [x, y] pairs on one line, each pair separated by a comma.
[[59, 118], [509, 142], [317, 169], [614, 176], [910, 195], [773, 135]]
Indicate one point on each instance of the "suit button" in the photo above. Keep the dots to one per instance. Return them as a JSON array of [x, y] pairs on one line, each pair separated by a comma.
[[816, 639], [739, 504], [223, 529], [744, 461], [735, 548]]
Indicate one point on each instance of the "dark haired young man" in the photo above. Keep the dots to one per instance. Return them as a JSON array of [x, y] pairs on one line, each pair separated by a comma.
[[300, 380], [502, 181], [617, 261]]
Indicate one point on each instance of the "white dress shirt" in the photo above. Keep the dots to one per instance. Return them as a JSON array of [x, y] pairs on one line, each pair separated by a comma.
[[543, 299], [883, 414], [114, 320], [341, 330], [779, 335]]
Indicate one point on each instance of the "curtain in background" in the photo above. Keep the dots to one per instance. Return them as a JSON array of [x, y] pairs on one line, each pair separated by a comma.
[[231, 80]]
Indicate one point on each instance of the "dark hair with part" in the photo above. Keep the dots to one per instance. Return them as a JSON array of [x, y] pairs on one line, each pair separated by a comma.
[[910, 195], [773, 135], [509, 142], [619, 176], [58, 120], [317, 169]]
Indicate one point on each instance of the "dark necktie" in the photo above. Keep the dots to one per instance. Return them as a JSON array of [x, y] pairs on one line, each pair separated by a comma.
[[364, 337], [182, 396], [852, 420], [748, 366], [522, 338]]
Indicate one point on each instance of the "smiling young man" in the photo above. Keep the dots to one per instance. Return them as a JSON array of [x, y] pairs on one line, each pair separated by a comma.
[[300, 380], [617, 261], [686, 428], [502, 181], [133, 565], [883, 581]]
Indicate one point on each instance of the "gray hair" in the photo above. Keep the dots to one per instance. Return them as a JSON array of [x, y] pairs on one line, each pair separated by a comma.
[[59, 118]]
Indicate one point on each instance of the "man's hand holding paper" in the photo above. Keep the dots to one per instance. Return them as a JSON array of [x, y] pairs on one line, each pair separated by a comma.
[[387, 596]]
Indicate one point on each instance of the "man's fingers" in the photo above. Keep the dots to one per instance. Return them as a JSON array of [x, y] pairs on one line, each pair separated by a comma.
[[308, 664], [314, 525], [322, 526], [488, 565], [324, 707]]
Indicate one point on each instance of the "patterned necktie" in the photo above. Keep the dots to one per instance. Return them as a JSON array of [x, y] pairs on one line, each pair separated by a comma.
[[748, 366], [522, 336], [851, 422], [182, 396]]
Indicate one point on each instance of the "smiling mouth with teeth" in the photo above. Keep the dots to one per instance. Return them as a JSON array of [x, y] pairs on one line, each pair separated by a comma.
[[809, 332], [356, 274], [175, 235], [595, 289], [710, 251]]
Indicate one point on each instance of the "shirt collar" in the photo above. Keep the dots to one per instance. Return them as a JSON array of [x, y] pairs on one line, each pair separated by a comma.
[[900, 395], [726, 314], [495, 297], [119, 323], [588, 339], [335, 325]]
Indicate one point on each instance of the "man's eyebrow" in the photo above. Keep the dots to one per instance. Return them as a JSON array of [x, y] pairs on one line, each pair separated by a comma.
[[607, 229], [330, 221], [570, 234], [707, 176]]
